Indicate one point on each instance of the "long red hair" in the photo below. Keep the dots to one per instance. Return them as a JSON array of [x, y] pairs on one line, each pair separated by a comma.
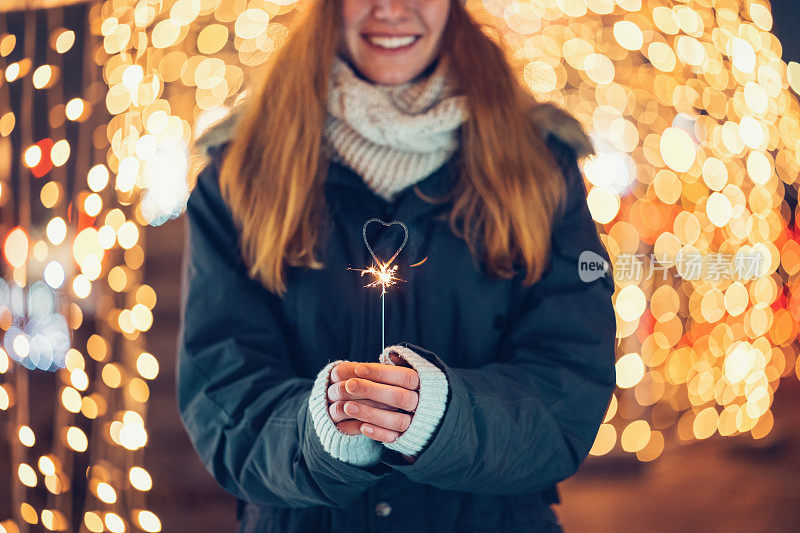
[[272, 176]]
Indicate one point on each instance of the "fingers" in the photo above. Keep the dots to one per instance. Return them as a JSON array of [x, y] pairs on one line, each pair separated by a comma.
[[378, 433], [394, 396], [400, 376], [350, 427], [392, 420], [337, 392], [354, 427], [336, 409], [358, 388], [397, 360]]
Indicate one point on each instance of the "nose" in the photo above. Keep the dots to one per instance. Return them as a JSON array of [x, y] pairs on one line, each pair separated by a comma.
[[389, 9]]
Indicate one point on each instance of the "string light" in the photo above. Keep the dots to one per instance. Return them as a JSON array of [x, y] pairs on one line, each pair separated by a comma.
[[64, 234], [696, 134]]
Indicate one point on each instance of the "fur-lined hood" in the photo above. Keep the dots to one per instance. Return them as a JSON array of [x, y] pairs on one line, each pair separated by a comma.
[[550, 118]]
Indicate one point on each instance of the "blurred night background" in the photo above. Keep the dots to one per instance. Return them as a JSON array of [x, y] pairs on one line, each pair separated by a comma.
[[693, 106]]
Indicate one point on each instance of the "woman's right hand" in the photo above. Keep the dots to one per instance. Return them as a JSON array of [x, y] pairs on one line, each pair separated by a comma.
[[337, 396]]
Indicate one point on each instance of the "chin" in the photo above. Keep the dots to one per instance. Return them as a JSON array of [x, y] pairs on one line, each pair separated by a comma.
[[388, 74], [391, 78]]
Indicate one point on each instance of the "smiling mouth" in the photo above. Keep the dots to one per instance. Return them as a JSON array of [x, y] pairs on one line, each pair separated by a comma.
[[391, 42]]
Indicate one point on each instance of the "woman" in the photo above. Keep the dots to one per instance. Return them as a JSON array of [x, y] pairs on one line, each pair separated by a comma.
[[501, 363]]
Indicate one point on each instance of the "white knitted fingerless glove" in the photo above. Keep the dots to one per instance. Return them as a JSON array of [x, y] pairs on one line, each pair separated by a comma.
[[358, 450], [432, 401]]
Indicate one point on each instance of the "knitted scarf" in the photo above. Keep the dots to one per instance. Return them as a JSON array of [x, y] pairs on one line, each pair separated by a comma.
[[392, 135]]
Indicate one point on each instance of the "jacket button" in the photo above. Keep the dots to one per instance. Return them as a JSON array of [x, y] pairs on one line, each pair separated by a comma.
[[499, 321], [383, 509]]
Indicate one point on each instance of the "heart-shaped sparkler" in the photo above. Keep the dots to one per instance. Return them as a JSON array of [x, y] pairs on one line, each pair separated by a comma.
[[386, 224], [383, 272]]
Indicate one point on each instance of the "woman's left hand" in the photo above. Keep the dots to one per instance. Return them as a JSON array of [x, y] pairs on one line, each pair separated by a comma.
[[393, 385]]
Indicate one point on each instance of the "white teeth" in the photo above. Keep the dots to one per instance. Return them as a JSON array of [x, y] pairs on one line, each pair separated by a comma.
[[391, 42]]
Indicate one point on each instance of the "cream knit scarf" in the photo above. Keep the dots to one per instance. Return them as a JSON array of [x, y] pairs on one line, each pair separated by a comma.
[[392, 135]]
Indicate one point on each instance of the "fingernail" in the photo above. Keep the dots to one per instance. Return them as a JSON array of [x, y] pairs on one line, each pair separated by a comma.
[[366, 429], [351, 408], [362, 370], [351, 385]]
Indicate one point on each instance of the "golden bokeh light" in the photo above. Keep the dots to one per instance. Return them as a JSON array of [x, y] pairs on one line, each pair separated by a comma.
[[75, 108], [64, 41], [140, 479]]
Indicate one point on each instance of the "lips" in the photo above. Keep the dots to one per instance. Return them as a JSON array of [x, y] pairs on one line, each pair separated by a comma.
[[389, 35], [390, 42]]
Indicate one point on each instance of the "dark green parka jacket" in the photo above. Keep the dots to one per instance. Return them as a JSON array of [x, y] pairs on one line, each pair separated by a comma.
[[530, 369]]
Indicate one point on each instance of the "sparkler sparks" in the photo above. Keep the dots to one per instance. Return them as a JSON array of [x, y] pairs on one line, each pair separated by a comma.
[[384, 275]]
